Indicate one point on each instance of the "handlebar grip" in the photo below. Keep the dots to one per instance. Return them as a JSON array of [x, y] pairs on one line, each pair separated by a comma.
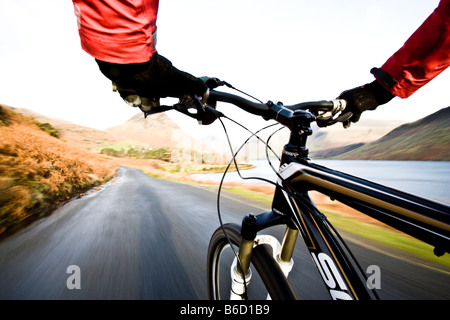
[[323, 105]]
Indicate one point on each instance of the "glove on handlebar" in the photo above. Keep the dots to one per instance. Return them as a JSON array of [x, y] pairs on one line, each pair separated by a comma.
[[142, 84], [366, 97]]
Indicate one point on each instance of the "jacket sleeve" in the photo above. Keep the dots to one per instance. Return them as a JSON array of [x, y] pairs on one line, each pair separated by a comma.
[[117, 31], [423, 56]]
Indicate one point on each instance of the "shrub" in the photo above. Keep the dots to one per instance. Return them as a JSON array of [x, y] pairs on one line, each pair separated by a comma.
[[4, 117], [47, 127], [139, 153]]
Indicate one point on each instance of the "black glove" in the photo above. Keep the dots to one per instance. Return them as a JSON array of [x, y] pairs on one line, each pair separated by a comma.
[[142, 84], [366, 97]]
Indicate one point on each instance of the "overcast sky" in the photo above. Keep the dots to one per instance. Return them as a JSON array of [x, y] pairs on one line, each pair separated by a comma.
[[287, 50]]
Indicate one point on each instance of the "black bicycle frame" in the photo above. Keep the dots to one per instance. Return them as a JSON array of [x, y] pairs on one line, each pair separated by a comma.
[[421, 218]]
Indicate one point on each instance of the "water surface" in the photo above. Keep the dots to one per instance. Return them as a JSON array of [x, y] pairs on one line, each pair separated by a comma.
[[428, 179]]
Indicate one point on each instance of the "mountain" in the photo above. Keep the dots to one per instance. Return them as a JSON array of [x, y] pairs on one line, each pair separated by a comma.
[[138, 132], [335, 140], [155, 131], [76, 135], [424, 139]]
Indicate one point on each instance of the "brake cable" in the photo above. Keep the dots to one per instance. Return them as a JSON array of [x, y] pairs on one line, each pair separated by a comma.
[[213, 83]]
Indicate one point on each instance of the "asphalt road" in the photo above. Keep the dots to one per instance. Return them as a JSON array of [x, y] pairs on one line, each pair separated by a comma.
[[144, 238]]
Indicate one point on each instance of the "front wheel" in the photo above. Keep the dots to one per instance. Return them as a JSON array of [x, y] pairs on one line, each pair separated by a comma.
[[267, 277]]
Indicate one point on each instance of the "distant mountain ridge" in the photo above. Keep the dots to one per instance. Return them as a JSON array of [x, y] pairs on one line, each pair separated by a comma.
[[156, 131], [335, 140], [424, 139]]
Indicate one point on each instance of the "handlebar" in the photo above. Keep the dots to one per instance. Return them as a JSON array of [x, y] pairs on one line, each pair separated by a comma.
[[203, 109], [260, 109], [322, 110]]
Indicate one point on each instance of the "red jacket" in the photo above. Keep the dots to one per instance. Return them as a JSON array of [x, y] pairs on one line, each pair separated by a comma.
[[117, 31], [122, 31], [423, 56]]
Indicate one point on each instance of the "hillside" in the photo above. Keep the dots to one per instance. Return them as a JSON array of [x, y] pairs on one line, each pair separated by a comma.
[[38, 170], [80, 136], [156, 131], [160, 131], [334, 140], [425, 139]]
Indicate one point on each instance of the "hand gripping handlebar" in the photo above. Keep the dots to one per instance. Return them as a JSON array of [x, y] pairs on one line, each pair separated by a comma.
[[325, 112]]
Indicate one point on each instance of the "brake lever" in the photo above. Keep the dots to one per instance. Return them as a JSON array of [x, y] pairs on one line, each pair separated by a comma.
[[328, 118], [198, 104], [344, 118], [204, 113], [157, 110]]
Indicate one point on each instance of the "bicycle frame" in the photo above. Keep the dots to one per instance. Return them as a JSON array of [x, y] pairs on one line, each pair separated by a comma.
[[421, 218], [418, 217]]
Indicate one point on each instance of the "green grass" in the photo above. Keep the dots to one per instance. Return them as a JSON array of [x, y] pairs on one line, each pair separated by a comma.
[[248, 194], [389, 239], [47, 127], [202, 168]]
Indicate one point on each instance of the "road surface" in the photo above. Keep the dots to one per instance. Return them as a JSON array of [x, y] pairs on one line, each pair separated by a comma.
[[139, 237]]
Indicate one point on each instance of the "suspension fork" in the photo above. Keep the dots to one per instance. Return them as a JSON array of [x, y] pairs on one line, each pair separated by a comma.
[[287, 250], [282, 253]]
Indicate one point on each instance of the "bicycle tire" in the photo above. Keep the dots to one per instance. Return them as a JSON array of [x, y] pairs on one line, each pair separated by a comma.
[[262, 260]]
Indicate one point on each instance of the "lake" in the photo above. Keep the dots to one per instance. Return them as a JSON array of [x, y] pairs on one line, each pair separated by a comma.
[[428, 179]]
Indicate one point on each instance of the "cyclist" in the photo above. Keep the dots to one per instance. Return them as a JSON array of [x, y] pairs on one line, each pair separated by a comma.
[[121, 36]]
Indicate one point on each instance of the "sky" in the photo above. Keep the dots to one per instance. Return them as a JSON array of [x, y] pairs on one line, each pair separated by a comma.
[[284, 50]]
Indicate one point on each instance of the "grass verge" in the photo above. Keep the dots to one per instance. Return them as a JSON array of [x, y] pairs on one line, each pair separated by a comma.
[[39, 171]]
